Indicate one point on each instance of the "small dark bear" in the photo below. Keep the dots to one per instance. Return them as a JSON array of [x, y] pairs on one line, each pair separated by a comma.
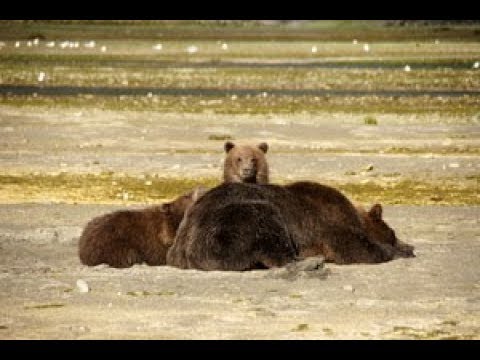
[[319, 220], [126, 237], [245, 163]]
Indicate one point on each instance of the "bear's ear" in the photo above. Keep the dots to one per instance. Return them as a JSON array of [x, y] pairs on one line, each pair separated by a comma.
[[263, 146], [229, 146], [376, 212], [166, 207]]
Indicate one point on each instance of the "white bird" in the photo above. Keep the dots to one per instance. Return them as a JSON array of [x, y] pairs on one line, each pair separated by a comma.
[[157, 47], [29, 43], [437, 42], [476, 64], [2, 44], [90, 44], [314, 49], [225, 46], [35, 41], [103, 48], [366, 48], [355, 41], [192, 49], [407, 68], [50, 44], [41, 76], [17, 43]]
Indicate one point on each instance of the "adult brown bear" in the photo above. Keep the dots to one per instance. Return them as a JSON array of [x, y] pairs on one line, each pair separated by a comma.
[[126, 237], [294, 221]]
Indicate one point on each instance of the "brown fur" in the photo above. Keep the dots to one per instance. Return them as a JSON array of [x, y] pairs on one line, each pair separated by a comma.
[[236, 226], [246, 163], [126, 237], [381, 233]]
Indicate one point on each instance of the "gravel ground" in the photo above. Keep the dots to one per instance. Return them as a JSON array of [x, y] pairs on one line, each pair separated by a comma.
[[435, 295], [42, 283]]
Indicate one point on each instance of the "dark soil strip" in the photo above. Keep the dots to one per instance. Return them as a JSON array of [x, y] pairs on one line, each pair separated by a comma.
[[143, 91]]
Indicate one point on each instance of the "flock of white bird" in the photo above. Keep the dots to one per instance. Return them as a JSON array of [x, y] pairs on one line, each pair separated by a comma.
[[192, 49]]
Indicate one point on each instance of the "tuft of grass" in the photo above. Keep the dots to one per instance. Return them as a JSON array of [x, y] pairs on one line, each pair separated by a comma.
[[301, 327], [44, 306], [370, 120], [220, 137]]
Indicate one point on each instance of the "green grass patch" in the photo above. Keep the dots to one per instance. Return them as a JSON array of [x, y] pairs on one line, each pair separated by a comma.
[[44, 306], [148, 293], [301, 327], [96, 188], [111, 188], [465, 106], [220, 137], [370, 120], [371, 30]]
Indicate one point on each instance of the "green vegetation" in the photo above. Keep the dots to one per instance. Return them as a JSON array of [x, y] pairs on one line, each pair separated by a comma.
[[256, 105], [91, 188], [233, 29], [370, 120], [44, 306], [301, 327], [431, 334], [114, 189], [220, 137], [147, 293]]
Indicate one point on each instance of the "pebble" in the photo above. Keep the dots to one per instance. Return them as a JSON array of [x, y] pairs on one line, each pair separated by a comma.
[[82, 286], [309, 264], [349, 288]]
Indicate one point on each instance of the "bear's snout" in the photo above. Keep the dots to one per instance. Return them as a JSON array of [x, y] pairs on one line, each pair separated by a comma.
[[404, 250]]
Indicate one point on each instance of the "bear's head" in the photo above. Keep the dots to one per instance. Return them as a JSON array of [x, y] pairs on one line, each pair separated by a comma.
[[245, 163], [381, 233]]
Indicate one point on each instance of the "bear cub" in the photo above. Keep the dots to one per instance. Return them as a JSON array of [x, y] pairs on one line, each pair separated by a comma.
[[126, 237], [245, 163]]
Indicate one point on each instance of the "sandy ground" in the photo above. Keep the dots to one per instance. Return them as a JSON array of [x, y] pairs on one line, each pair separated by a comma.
[[435, 295]]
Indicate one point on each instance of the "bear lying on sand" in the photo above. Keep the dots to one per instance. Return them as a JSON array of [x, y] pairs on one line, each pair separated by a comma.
[[279, 224], [126, 237]]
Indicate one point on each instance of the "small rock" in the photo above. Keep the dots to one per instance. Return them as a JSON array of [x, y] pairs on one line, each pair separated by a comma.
[[82, 286], [369, 167], [309, 264], [454, 165], [349, 288]]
